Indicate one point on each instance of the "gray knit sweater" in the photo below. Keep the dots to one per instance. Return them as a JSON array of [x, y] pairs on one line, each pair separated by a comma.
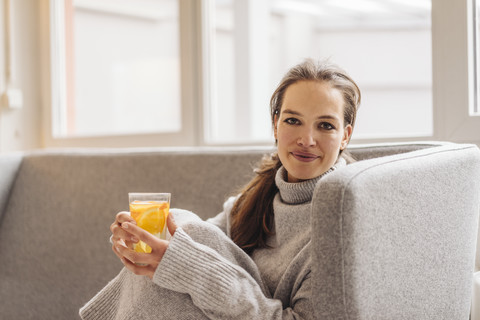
[[204, 275]]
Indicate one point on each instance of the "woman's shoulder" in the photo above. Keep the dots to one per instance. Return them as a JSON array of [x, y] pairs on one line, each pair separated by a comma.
[[228, 205], [222, 220]]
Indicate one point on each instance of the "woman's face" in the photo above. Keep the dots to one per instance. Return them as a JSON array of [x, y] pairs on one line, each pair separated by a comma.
[[309, 129]]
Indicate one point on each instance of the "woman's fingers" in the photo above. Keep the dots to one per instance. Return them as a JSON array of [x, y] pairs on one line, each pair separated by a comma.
[[125, 233], [141, 270], [124, 216], [117, 251], [138, 233], [119, 235], [143, 264], [133, 256], [137, 262], [121, 217], [172, 226]]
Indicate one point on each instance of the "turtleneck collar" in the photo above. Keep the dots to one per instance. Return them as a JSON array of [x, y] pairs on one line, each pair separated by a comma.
[[300, 192]]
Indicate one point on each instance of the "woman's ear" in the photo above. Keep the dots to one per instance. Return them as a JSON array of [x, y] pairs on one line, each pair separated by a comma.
[[347, 134]]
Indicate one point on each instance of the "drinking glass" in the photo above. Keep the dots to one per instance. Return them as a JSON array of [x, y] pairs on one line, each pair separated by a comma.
[[150, 211]]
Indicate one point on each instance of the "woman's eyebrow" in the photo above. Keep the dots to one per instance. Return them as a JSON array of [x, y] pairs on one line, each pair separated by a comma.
[[327, 116], [292, 112]]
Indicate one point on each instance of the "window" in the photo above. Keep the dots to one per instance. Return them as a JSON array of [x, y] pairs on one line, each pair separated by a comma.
[[118, 67], [384, 45], [203, 70]]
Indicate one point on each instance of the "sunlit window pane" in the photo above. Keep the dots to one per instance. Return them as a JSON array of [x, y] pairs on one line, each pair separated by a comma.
[[384, 44], [122, 67]]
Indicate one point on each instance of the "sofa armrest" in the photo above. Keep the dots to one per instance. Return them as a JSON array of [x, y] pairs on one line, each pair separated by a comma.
[[394, 237], [9, 164]]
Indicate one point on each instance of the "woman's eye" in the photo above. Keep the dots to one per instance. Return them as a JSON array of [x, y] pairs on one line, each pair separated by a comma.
[[326, 126], [291, 121]]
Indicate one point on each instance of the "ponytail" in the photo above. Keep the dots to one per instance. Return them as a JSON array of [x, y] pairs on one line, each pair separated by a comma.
[[252, 213]]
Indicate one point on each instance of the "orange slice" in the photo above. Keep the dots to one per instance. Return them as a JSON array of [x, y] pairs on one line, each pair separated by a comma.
[[150, 216], [152, 220], [142, 247]]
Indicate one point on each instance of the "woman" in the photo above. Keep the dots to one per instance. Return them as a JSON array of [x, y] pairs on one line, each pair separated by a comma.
[[200, 272]]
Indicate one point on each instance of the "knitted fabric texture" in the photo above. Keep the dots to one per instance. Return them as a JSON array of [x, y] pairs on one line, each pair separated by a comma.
[[204, 275]]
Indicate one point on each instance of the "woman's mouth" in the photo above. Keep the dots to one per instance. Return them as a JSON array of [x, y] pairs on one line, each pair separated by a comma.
[[304, 156]]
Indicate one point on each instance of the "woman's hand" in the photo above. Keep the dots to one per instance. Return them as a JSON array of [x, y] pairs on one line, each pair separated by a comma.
[[120, 236], [125, 233]]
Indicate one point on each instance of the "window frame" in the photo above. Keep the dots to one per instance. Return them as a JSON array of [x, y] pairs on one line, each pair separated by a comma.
[[453, 71], [54, 89]]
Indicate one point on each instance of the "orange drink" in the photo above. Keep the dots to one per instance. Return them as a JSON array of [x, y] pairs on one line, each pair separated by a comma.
[[150, 211]]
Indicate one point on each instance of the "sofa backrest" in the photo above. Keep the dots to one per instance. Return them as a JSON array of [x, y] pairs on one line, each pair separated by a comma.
[[55, 230]]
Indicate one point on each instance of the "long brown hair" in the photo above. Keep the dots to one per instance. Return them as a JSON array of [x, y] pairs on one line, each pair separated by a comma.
[[252, 213]]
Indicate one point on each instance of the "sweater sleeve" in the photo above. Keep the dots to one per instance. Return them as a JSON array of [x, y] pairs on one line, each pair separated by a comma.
[[223, 286]]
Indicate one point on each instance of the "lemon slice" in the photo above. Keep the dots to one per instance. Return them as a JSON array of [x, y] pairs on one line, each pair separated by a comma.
[[152, 220], [151, 217], [142, 247]]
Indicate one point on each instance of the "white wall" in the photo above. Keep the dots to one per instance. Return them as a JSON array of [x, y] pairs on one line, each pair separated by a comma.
[[20, 129]]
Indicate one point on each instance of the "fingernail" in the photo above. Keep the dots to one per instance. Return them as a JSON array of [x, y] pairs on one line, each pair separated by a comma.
[[117, 248], [133, 239], [125, 225]]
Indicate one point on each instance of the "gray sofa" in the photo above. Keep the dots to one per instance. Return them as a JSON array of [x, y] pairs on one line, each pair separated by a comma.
[[394, 233]]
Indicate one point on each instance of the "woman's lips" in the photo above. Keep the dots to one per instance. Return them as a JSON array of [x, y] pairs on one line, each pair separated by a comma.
[[304, 156]]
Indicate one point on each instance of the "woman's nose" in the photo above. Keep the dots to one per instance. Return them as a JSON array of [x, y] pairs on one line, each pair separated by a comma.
[[306, 139]]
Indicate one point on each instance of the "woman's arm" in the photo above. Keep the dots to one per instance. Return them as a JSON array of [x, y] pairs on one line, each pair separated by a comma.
[[222, 280], [122, 239]]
